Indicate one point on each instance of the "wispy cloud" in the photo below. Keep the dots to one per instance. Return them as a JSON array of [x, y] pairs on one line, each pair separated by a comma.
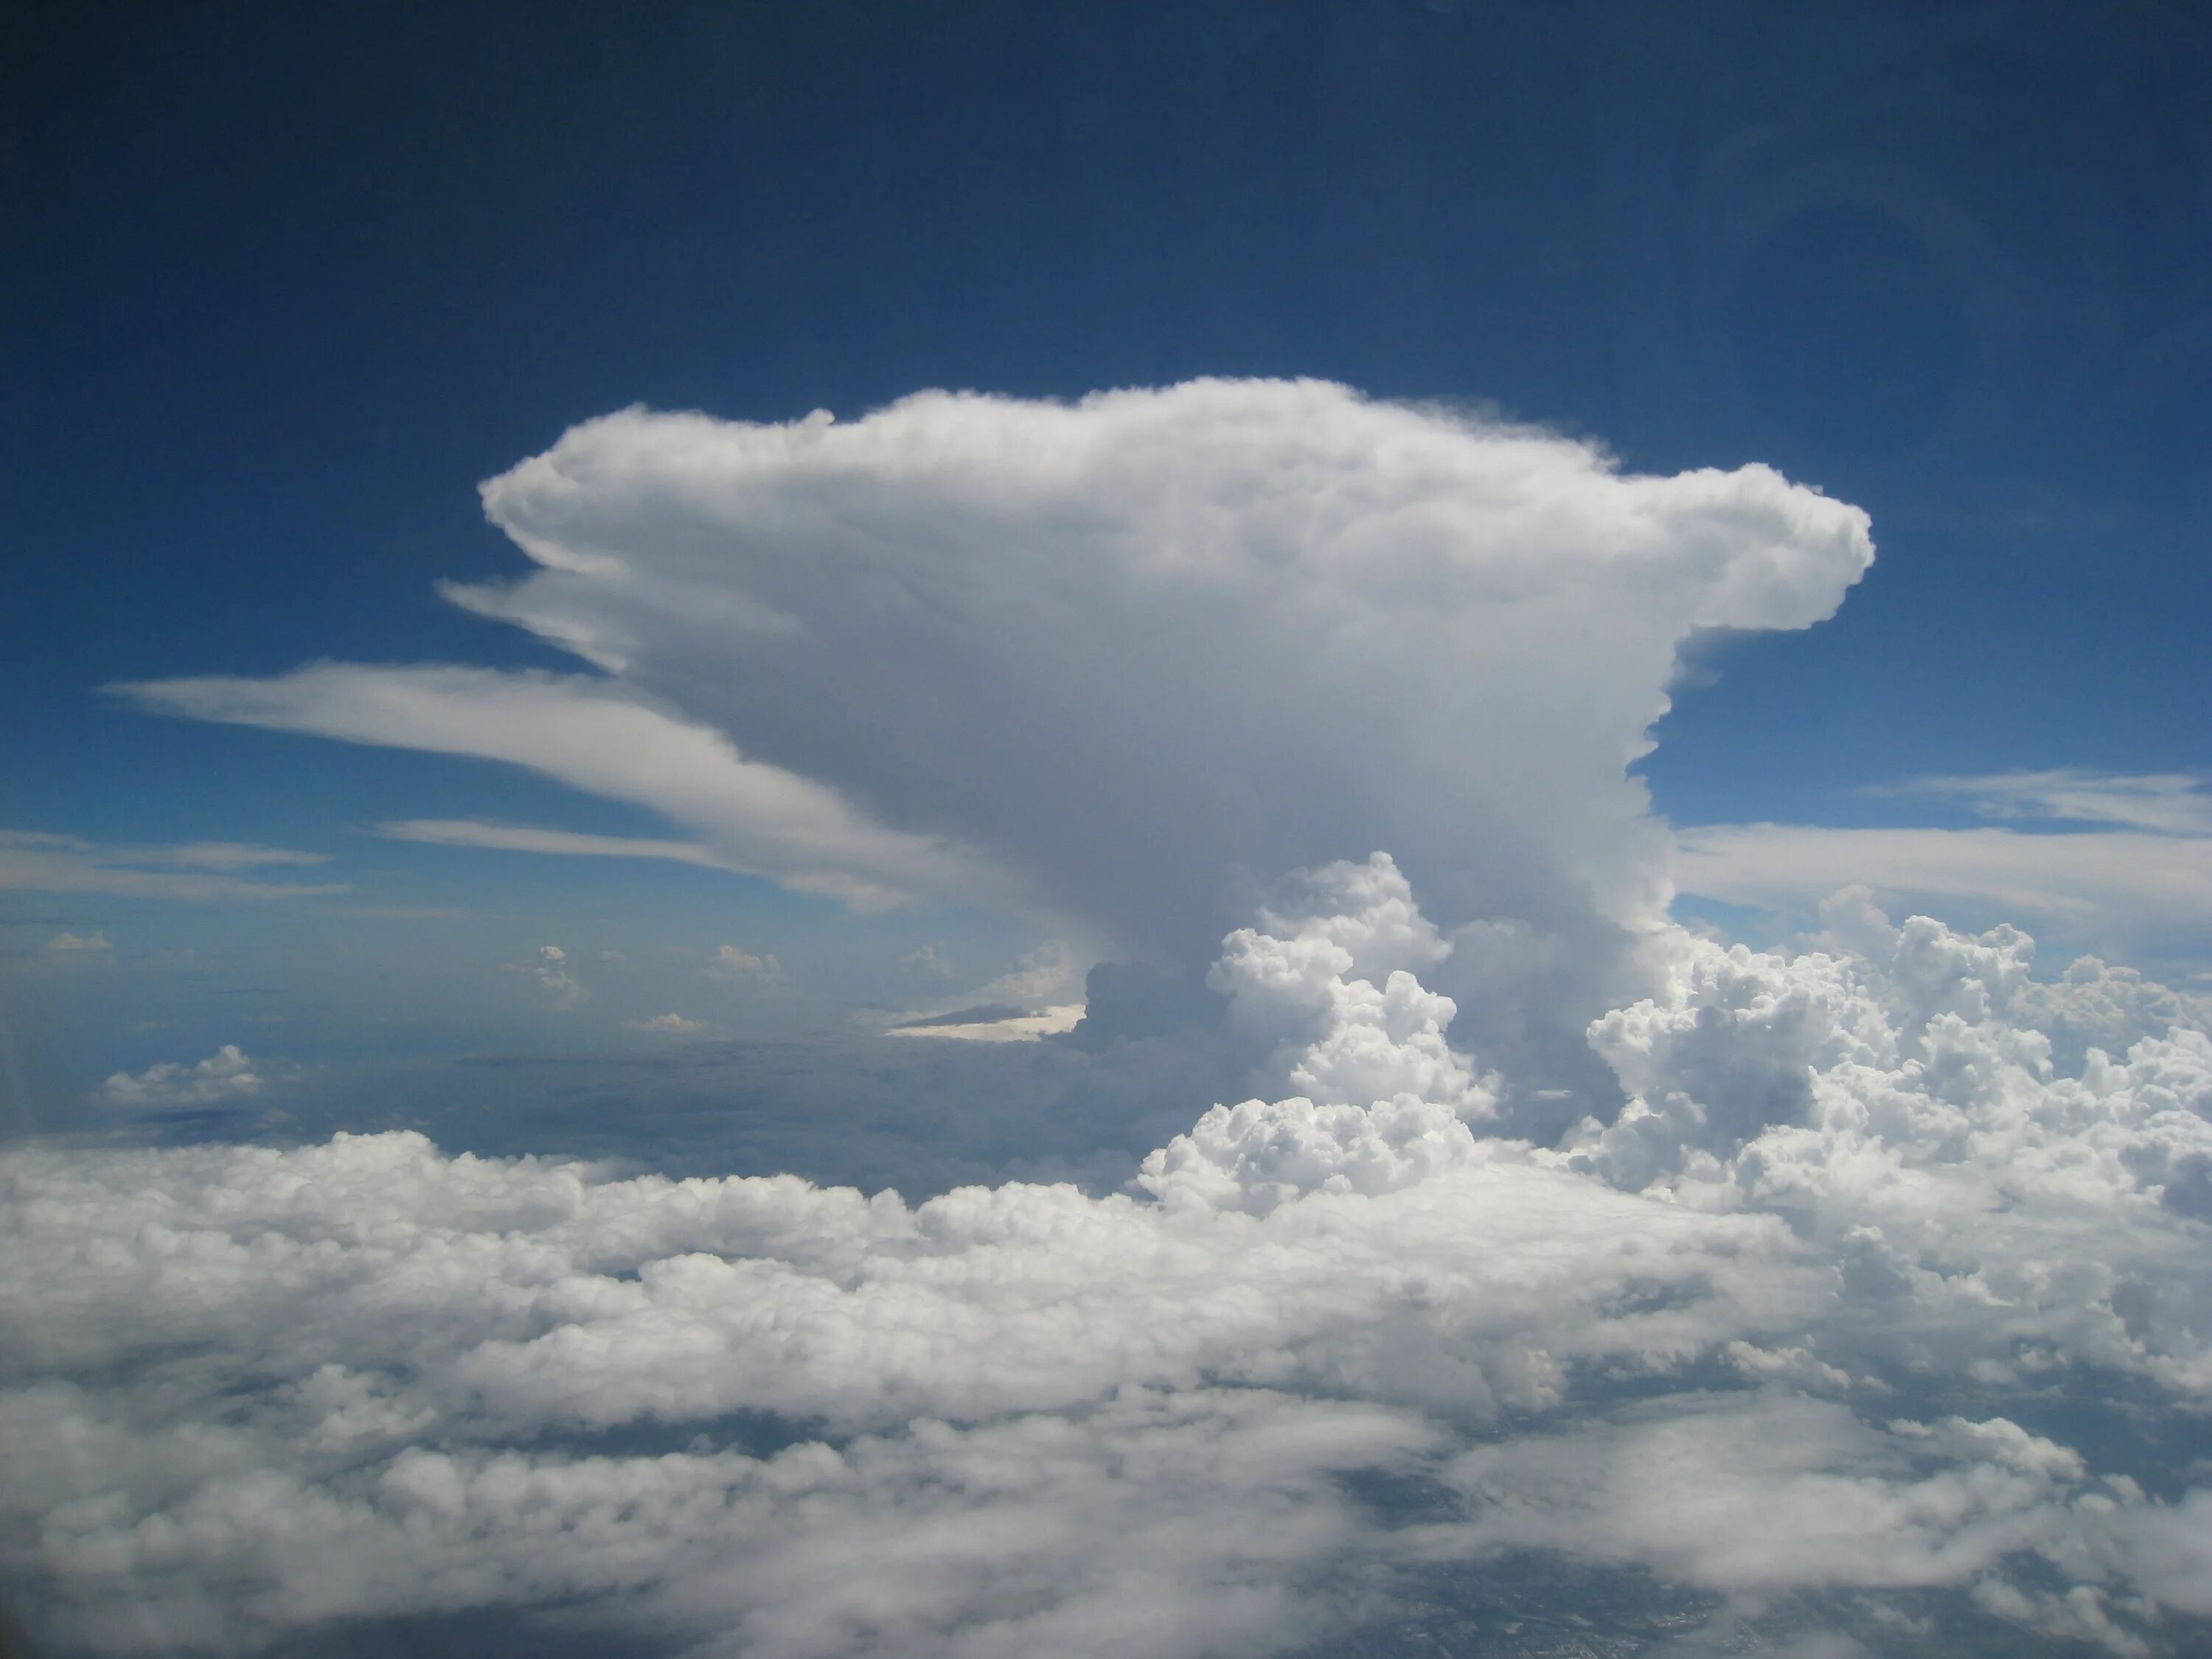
[[2158, 803], [608, 739], [2122, 875], [527, 838], [34, 862]]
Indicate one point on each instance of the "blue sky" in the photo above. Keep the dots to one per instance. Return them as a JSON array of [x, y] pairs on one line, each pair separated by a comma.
[[1292, 751]]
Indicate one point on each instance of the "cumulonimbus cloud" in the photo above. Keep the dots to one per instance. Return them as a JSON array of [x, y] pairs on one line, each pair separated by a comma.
[[1118, 658]]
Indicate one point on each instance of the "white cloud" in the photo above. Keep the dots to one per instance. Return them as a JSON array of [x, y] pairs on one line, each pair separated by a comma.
[[670, 1024], [2117, 880], [67, 944], [227, 1074], [193, 870], [2164, 803], [550, 971], [523, 838], [252, 1391], [731, 964], [1046, 1022], [598, 735], [982, 623]]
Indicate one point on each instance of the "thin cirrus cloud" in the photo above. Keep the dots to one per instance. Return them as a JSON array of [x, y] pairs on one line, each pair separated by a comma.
[[2159, 802], [2139, 861], [526, 838], [45, 863], [1113, 660]]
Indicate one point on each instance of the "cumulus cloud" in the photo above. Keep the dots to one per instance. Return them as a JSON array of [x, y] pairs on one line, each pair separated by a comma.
[[953, 647], [227, 1074], [550, 972], [731, 964], [42, 863], [1813, 1313], [988, 1023]]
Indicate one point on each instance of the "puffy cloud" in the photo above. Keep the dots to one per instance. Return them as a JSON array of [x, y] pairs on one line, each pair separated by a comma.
[[729, 963], [953, 647], [1806, 1317], [199, 870], [227, 1074], [550, 971], [67, 943]]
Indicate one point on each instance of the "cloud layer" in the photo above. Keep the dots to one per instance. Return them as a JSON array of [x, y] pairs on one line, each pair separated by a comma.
[[1816, 1311]]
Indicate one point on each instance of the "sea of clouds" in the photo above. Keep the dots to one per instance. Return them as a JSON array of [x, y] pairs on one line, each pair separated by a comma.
[[1783, 1324], [1872, 1267]]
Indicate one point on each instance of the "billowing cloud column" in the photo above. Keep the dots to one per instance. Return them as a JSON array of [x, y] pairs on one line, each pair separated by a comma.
[[1134, 652]]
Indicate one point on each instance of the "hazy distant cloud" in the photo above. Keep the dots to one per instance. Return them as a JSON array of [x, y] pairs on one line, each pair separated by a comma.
[[730, 963], [1860, 1291], [2120, 879], [198, 870], [228, 1074], [1115, 659], [522, 838], [551, 973], [66, 944], [670, 1025], [991, 1024], [2163, 803]]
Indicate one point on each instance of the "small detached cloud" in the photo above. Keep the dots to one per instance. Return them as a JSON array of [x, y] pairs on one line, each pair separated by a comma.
[[550, 970], [994, 1024], [670, 1025], [1042, 996], [732, 965], [229, 1073], [67, 944]]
